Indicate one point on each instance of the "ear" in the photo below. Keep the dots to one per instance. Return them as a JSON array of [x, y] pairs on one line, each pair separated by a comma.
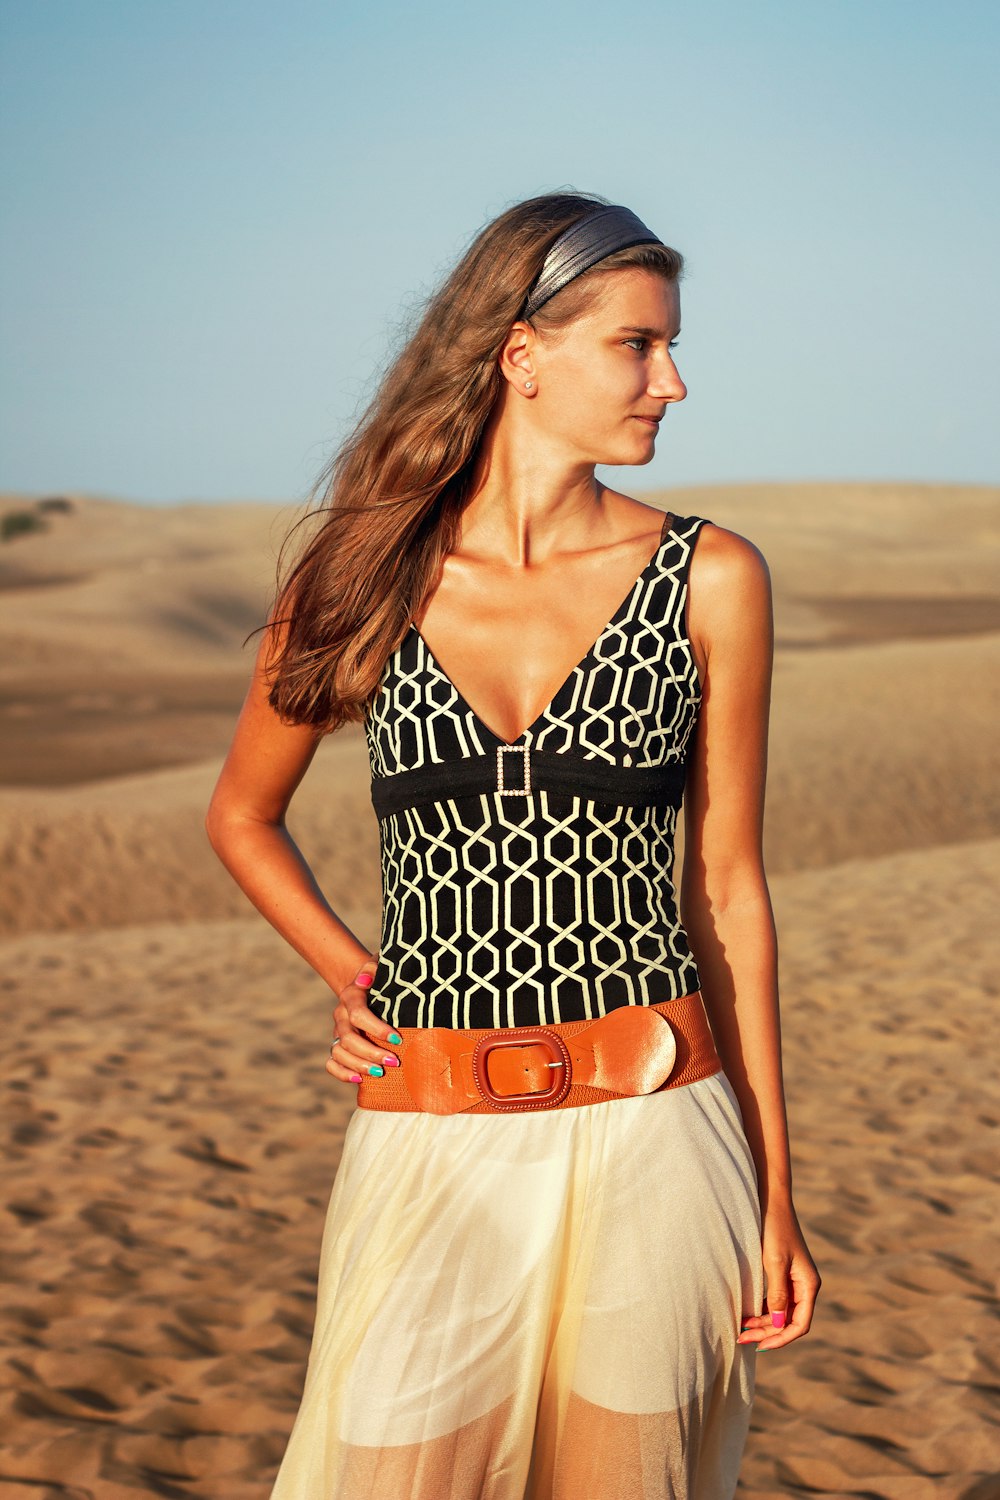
[[517, 358]]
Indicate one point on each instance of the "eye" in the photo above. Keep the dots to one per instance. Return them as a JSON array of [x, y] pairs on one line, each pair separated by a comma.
[[644, 341]]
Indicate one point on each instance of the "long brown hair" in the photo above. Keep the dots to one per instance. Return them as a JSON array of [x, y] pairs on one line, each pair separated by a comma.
[[393, 495]]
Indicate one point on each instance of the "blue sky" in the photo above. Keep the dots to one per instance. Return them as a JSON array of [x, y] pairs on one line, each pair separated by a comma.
[[217, 217]]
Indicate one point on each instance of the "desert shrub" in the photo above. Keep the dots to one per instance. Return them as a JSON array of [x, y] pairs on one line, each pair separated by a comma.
[[17, 522]]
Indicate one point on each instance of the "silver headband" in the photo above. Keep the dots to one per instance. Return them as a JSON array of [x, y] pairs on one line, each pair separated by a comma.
[[582, 245]]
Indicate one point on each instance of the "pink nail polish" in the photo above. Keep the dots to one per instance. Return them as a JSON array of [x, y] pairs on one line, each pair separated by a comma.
[[355, 1077], [391, 1062], [778, 1319], [363, 981]]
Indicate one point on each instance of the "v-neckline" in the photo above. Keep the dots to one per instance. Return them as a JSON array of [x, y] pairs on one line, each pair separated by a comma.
[[665, 537]]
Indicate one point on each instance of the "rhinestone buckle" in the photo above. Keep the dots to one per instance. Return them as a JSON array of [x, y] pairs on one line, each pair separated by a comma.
[[524, 789]]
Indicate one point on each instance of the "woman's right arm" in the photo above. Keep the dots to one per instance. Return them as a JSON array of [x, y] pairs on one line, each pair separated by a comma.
[[245, 824]]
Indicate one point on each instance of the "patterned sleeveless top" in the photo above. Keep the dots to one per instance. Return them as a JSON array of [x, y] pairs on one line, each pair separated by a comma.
[[529, 883]]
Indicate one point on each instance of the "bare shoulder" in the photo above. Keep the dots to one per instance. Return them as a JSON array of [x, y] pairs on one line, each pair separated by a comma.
[[725, 559], [729, 592]]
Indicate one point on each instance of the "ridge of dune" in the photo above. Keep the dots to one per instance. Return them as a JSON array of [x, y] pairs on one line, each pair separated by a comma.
[[872, 749], [145, 590], [123, 626]]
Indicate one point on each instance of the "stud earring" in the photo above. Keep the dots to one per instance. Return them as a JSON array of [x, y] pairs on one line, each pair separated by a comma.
[[527, 385]]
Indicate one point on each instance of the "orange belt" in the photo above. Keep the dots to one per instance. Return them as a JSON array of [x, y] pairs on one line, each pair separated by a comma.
[[635, 1049]]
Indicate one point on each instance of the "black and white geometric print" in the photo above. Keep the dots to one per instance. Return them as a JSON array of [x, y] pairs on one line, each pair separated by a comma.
[[529, 905]]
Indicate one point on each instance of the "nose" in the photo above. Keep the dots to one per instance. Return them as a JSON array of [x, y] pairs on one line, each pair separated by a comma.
[[665, 383]]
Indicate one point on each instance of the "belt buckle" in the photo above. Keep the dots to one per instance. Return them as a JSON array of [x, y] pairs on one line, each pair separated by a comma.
[[525, 1036], [524, 790]]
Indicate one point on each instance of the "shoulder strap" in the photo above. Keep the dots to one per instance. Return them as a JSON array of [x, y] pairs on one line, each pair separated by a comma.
[[682, 528], [680, 535]]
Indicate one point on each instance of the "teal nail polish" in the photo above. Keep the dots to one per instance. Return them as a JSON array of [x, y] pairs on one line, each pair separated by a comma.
[[395, 1038], [376, 1071]]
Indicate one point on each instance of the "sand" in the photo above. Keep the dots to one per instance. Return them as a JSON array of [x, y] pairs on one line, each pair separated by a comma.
[[173, 1135]]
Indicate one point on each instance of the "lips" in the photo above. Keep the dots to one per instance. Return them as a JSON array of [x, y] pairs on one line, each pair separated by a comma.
[[650, 421]]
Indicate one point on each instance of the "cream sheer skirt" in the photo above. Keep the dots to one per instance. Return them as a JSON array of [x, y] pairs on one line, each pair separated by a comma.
[[538, 1306]]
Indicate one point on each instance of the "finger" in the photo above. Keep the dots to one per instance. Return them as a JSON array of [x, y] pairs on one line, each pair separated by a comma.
[[773, 1321], [778, 1291], [354, 1053], [801, 1314], [377, 1036], [356, 1026], [754, 1327], [806, 1291], [344, 1074]]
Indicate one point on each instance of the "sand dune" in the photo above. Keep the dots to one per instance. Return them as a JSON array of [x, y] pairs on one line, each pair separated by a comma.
[[121, 631], [121, 624], [873, 748], [878, 743], [173, 1135]]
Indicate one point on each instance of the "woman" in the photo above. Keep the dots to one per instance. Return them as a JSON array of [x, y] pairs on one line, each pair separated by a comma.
[[542, 1273]]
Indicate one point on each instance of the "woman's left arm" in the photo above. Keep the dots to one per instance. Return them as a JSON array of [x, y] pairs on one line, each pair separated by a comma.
[[725, 904]]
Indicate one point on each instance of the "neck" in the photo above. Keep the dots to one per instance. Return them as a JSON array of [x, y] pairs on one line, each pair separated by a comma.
[[530, 500]]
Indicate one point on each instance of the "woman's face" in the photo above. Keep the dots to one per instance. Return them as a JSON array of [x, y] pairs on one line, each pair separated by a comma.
[[605, 380]]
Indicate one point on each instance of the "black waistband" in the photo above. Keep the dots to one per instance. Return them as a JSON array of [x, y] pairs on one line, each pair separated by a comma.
[[519, 770]]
